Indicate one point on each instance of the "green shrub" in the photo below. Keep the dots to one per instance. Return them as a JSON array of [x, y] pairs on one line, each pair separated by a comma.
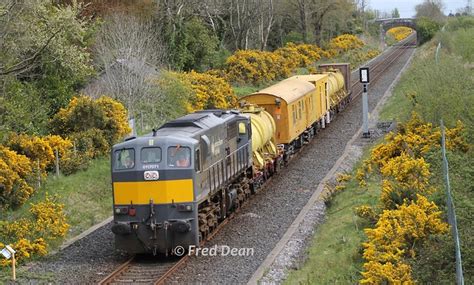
[[73, 163], [426, 28], [92, 143]]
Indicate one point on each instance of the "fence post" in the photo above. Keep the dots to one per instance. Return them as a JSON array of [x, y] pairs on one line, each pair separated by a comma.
[[38, 170], [437, 52], [57, 161], [451, 211]]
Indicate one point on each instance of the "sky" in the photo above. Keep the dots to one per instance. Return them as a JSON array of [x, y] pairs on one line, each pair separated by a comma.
[[407, 7]]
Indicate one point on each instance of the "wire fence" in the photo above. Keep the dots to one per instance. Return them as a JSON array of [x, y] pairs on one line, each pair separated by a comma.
[[451, 210]]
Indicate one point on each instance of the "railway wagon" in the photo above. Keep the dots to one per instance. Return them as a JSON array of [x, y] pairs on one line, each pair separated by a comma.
[[319, 103], [171, 187], [287, 102], [302, 104]]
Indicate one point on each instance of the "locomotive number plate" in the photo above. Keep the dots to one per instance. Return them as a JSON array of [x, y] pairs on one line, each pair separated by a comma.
[[151, 175]]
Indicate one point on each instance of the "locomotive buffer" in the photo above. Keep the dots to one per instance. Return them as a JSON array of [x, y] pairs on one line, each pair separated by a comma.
[[364, 79]]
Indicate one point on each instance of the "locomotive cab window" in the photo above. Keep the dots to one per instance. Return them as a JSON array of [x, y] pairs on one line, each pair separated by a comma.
[[124, 158], [150, 155], [242, 128], [197, 160], [179, 156]]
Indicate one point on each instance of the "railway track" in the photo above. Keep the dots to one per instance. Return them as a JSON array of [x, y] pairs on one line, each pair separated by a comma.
[[382, 63], [155, 270]]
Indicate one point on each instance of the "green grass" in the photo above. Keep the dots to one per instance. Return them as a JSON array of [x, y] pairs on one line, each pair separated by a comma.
[[87, 196], [334, 255], [242, 90], [23, 276]]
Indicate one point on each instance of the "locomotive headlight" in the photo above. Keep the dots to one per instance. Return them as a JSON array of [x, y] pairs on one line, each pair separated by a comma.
[[121, 210], [185, 208]]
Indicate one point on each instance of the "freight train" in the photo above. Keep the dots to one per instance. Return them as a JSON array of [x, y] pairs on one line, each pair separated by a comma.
[[174, 186]]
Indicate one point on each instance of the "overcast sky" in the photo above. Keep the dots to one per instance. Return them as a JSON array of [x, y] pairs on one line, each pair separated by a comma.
[[407, 7]]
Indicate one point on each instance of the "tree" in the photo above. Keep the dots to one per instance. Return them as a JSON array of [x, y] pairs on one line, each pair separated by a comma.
[[201, 46], [432, 9], [43, 60], [426, 28], [395, 13], [130, 53], [36, 33]]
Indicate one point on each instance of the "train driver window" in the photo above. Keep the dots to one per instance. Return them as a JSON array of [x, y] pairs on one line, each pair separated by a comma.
[[197, 160], [179, 156], [150, 155], [242, 128], [124, 158]]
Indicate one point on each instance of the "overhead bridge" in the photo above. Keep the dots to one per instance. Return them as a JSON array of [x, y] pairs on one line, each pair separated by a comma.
[[387, 24]]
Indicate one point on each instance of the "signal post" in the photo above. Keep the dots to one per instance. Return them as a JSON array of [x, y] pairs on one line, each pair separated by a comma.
[[364, 79]]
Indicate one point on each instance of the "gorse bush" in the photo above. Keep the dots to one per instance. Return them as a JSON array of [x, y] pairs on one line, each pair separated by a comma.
[[301, 55], [254, 66], [210, 92], [40, 150], [399, 33], [405, 219], [30, 236], [84, 113], [344, 43], [394, 237], [16, 172], [417, 138]]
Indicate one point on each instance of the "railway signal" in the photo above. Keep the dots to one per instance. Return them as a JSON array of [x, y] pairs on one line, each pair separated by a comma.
[[365, 80]]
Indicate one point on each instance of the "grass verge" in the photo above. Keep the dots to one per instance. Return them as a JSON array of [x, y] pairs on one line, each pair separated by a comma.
[[86, 195], [334, 254]]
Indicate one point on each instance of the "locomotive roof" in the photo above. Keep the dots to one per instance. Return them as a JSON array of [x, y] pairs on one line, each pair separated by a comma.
[[289, 89], [201, 119], [185, 127]]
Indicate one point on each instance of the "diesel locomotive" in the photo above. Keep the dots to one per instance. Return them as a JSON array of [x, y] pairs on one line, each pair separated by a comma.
[[173, 186]]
